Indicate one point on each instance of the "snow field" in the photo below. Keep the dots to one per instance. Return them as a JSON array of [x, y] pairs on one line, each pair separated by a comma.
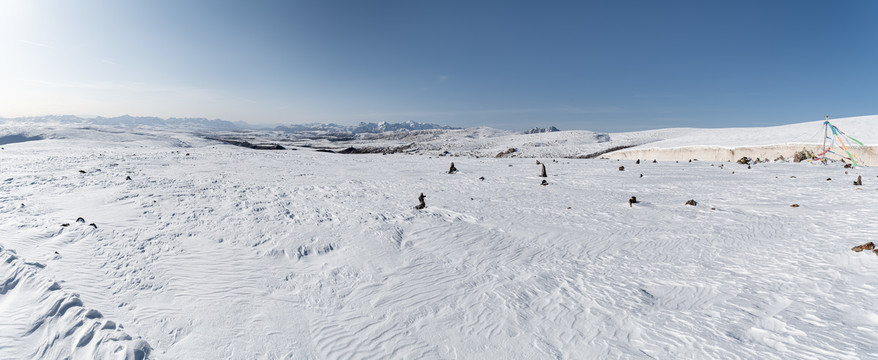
[[238, 253]]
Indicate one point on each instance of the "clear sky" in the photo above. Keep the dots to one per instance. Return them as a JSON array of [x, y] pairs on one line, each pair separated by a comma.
[[607, 66]]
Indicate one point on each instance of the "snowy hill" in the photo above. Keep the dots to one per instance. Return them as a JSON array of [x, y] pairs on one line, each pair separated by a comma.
[[201, 249], [764, 142]]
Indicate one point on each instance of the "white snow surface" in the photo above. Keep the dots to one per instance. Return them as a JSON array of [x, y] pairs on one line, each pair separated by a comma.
[[216, 251]]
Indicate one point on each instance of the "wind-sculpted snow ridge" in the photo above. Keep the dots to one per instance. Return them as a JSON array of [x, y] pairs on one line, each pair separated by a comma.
[[42, 321]]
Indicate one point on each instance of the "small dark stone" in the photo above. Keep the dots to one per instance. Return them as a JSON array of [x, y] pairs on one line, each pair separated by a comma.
[[654, 161], [82, 171], [637, 162], [859, 180], [621, 168], [828, 179], [93, 225], [544, 183], [65, 224], [631, 201], [543, 174], [641, 175], [128, 178], [80, 220], [794, 205], [482, 178], [692, 202], [421, 200], [453, 169]]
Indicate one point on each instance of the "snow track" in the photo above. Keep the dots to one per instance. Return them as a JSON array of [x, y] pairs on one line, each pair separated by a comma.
[[236, 253]]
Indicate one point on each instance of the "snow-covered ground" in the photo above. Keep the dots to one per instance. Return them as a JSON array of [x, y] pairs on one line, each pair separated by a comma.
[[216, 251]]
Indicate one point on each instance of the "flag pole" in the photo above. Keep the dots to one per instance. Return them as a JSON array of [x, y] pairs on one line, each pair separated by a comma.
[[825, 134]]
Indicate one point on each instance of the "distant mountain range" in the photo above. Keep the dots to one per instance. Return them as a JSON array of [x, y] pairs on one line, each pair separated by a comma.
[[362, 128], [200, 123], [217, 124]]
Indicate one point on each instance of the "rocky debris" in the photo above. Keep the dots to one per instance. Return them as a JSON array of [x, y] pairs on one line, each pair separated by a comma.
[[93, 225], [543, 174], [249, 145], [828, 179], [376, 150], [794, 205], [421, 200], [82, 171], [745, 161], [506, 153], [621, 168], [637, 162], [780, 158], [128, 178], [453, 169], [632, 201], [859, 180], [866, 246], [803, 155], [482, 178], [65, 224], [80, 220], [544, 183], [848, 166], [692, 202]]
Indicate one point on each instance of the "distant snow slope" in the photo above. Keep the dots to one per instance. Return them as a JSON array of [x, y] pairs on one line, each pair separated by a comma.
[[217, 251], [765, 142]]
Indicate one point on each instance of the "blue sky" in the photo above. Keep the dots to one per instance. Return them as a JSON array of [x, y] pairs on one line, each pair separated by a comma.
[[606, 66]]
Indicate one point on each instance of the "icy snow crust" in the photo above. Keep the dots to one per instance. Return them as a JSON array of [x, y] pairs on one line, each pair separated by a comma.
[[230, 252]]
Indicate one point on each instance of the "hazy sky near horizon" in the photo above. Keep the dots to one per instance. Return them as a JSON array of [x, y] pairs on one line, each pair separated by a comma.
[[606, 66]]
